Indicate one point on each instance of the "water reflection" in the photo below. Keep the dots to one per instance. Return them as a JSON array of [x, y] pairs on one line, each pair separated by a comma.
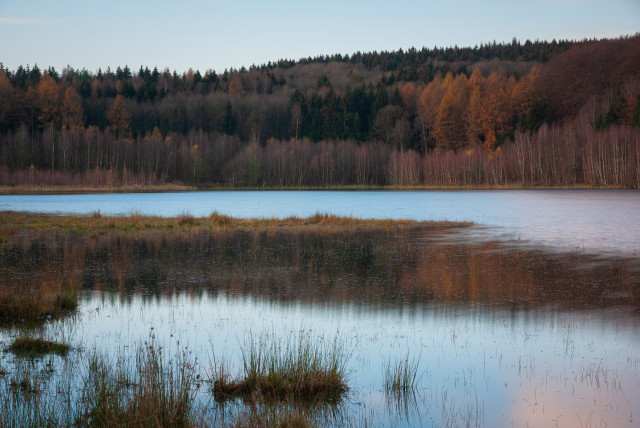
[[505, 333], [403, 269]]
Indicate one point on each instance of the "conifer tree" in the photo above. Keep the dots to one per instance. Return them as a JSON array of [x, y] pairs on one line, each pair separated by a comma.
[[72, 112], [48, 97], [119, 118], [229, 120]]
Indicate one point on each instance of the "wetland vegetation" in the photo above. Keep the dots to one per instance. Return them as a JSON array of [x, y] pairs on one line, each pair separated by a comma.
[[473, 259], [96, 223], [326, 320]]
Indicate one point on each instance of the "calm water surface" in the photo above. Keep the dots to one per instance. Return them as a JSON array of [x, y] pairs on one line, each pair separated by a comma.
[[505, 334], [508, 331], [591, 220]]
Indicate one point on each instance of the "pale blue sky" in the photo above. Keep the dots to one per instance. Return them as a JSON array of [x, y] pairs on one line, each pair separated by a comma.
[[219, 34]]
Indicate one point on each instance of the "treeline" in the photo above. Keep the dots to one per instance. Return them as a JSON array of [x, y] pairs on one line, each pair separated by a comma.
[[562, 155], [413, 64], [326, 97], [149, 122]]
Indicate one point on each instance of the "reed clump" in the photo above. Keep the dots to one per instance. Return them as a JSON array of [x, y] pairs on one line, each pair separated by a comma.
[[401, 377], [298, 370], [35, 346], [186, 220]]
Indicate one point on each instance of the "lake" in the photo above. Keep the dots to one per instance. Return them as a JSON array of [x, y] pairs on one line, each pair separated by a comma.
[[529, 318]]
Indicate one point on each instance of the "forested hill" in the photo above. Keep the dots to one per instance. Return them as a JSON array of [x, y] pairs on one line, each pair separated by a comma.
[[416, 105]]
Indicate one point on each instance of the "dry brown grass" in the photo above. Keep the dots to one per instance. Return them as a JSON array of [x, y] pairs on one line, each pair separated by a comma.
[[14, 222]]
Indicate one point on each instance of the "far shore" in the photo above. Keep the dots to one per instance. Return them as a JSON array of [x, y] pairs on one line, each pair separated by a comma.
[[27, 189]]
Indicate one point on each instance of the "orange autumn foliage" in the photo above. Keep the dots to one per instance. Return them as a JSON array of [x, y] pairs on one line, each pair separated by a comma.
[[48, 98]]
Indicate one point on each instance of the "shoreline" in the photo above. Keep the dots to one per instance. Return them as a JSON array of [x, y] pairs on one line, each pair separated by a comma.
[[169, 188]]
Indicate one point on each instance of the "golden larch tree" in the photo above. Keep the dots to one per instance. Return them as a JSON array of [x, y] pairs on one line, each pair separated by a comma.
[[522, 95], [428, 104], [95, 88], [451, 124], [408, 94], [474, 112], [119, 118], [448, 81], [72, 112], [495, 105], [476, 80], [235, 86], [48, 100]]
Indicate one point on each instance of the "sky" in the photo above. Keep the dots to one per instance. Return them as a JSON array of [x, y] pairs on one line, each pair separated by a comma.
[[221, 34]]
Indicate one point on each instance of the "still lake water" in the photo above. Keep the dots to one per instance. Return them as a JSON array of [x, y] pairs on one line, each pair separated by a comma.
[[508, 331]]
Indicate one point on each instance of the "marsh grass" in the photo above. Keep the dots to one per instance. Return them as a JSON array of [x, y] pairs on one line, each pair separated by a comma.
[[297, 370], [156, 393], [36, 346], [31, 306], [149, 390], [30, 392], [401, 377], [96, 223]]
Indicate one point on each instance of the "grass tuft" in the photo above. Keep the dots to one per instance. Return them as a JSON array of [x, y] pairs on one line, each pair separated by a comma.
[[32, 346], [298, 370], [401, 377], [221, 220], [186, 219]]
